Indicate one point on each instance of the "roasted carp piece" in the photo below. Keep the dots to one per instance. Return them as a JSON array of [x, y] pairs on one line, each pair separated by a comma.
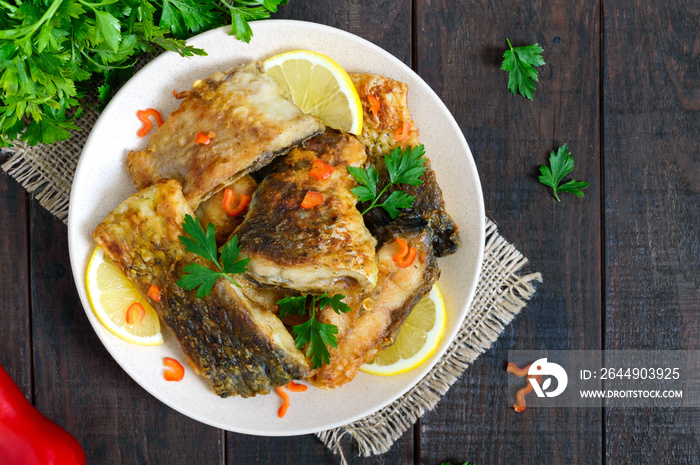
[[378, 137], [229, 338], [377, 316], [211, 211], [252, 123], [326, 248]]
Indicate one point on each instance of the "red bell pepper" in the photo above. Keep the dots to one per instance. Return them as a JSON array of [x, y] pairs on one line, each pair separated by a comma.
[[29, 438]]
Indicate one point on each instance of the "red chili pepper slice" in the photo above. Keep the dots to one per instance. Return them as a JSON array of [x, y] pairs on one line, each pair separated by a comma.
[[154, 293], [520, 404], [312, 199], [375, 105], [320, 169], [201, 138], [231, 207], [285, 402], [405, 256], [143, 115], [135, 313], [401, 134], [173, 370], [296, 387]]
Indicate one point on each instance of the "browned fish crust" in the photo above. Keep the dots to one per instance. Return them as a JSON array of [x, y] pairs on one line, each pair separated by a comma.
[[252, 123], [239, 347], [378, 136], [326, 248], [377, 316]]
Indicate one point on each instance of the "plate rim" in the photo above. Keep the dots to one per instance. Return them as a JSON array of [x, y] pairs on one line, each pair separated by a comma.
[[153, 390]]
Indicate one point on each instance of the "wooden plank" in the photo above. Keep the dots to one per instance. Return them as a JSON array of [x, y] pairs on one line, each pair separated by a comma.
[[459, 52], [652, 209], [386, 23], [15, 331], [81, 387]]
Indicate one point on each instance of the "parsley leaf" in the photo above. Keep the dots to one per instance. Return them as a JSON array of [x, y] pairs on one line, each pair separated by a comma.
[[53, 51], [561, 164], [520, 63], [204, 244], [335, 302], [312, 333], [367, 190], [404, 167], [317, 335], [292, 306]]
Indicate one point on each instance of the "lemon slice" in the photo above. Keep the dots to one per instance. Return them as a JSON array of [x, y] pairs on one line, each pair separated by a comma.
[[417, 339], [319, 86], [111, 294]]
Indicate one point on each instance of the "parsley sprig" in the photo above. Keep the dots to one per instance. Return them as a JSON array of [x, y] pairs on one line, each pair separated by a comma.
[[54, 51], [520, 63], [314, 333], [561, 164], [404, 167], [204, 244]]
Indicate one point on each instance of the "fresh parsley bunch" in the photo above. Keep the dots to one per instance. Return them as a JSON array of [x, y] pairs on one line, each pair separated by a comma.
[[53, 51], [404, 167], [314, 333], [203, 244]]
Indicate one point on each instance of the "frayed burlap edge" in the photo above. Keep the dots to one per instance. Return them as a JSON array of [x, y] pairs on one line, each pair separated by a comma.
[[502, 292], [46, 171]]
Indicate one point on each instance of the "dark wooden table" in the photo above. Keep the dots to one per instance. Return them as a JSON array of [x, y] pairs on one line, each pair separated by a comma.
[[621, 266]]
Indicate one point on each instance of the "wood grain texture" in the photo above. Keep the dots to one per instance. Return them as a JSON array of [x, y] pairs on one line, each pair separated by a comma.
[[652, 209], [15, 330], [621, 266], [82, 388], [459, 52], [386, 23]]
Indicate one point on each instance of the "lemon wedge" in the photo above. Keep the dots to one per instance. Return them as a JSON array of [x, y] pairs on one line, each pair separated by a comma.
[[111, 294], [417, 339], [319, 86]]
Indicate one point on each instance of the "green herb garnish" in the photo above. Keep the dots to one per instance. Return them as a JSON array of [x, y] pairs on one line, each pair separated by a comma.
[[314, 333], [520, 63], [50, 51], [204, 244], [561, 164], [404, 167]]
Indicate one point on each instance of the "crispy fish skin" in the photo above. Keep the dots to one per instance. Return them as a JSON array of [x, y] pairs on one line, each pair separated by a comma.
[[326, 248], [378, 136], [377, 316], [252, 123], [236, 344]]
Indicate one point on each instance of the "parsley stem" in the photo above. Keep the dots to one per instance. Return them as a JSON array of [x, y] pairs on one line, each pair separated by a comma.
[[509, 45], [374, 202], [28, 31]]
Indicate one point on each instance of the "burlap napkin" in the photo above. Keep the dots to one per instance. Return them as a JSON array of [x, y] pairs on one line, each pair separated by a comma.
[[47, 171]]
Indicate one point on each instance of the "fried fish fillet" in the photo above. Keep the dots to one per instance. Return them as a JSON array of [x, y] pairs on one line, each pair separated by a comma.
[[377, 316], [326, 248], [251, 121], [378, 137], [229, 337]]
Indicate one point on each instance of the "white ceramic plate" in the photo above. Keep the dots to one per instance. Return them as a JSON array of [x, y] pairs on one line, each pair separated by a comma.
[[102, 182]]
